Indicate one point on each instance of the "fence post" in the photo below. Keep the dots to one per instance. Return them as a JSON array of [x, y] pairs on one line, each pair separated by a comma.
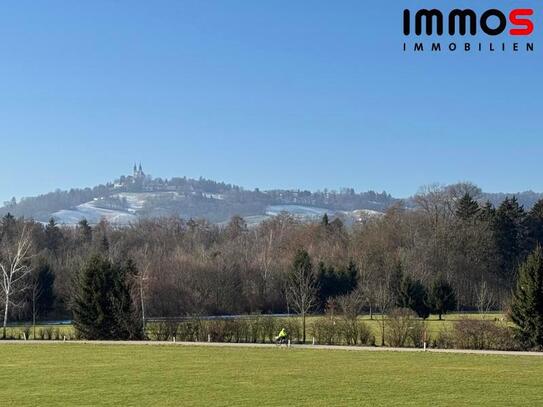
[[424, 339], [288, 343], [174, 339], [313, 341]]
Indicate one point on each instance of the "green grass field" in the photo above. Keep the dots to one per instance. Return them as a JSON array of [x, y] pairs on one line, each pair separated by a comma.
[[124, 375]]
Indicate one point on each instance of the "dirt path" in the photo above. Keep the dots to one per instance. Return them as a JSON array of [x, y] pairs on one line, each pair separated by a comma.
[[263, 345]]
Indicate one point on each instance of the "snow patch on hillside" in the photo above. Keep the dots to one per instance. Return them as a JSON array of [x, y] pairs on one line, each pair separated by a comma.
[[93, 215], [307, 212]]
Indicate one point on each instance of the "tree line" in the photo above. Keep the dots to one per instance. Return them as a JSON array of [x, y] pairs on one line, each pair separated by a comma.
[[452, 252]]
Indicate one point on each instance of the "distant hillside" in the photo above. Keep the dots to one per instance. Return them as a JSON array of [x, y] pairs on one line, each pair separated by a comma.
[[139, 195], [526, 199]]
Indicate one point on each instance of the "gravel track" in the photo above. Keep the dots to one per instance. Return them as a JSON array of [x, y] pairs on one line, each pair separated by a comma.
[[265, 345]]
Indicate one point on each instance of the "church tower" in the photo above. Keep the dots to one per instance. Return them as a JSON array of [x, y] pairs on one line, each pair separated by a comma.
[[138, 172]]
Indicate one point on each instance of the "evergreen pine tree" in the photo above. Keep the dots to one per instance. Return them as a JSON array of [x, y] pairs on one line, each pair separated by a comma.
[[467, 208], [351, 277], [527, 303], [534, 224], [103, 306], [8, 226], [84, 230], [332, 282], [53, 236], [510, 234], [487, 213], [127, 324], [325, 220], [442, 297], [45, 280], [92, 313], [324, 284], [413, 295]]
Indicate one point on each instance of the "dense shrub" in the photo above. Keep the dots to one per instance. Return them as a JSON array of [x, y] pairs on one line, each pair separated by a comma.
[[348, 331], [416, 334], [483, 334], [8, 334], [39, 334], [48, 333], [342, 331], [243, 330], [251, 330], [25, 332], [365, 335], [443, 340], [325, 331], [269, 328], [217, 331], [354, 332], [188, 331], [163, 331], [404, 328], [55, 334]]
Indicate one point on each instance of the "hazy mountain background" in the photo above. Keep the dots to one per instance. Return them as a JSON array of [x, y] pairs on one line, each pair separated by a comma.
[[141, 196]]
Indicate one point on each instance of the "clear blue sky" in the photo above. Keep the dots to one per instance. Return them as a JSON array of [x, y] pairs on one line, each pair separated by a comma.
[[268, 93]]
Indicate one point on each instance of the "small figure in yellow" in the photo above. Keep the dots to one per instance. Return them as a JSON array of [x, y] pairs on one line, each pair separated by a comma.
[[282, 337]]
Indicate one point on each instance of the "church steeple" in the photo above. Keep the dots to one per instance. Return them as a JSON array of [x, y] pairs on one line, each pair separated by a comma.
[[138, 172]]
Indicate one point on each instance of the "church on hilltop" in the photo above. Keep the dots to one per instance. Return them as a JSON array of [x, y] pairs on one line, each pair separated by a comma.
[[138, 173], [136, 181], [139, 181]]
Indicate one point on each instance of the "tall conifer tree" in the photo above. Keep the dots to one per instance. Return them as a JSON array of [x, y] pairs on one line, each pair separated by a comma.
[[442, 296], [527, 303], [510, 233], [467, 208], [103, 307], [534, 224]]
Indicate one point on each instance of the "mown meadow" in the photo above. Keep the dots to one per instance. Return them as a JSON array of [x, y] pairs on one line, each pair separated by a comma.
[[112, 375]]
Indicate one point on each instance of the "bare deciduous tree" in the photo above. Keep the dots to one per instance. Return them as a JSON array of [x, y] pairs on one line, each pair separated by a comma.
[[384, 301], [351, 304], [302, 287], [485, 299], [143, 257], [15, 266], [433, 200], [35, 293]]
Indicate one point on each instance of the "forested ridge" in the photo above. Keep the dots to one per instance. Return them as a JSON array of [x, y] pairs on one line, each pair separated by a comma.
[[179, 267], [186, 197], [214, 201]]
